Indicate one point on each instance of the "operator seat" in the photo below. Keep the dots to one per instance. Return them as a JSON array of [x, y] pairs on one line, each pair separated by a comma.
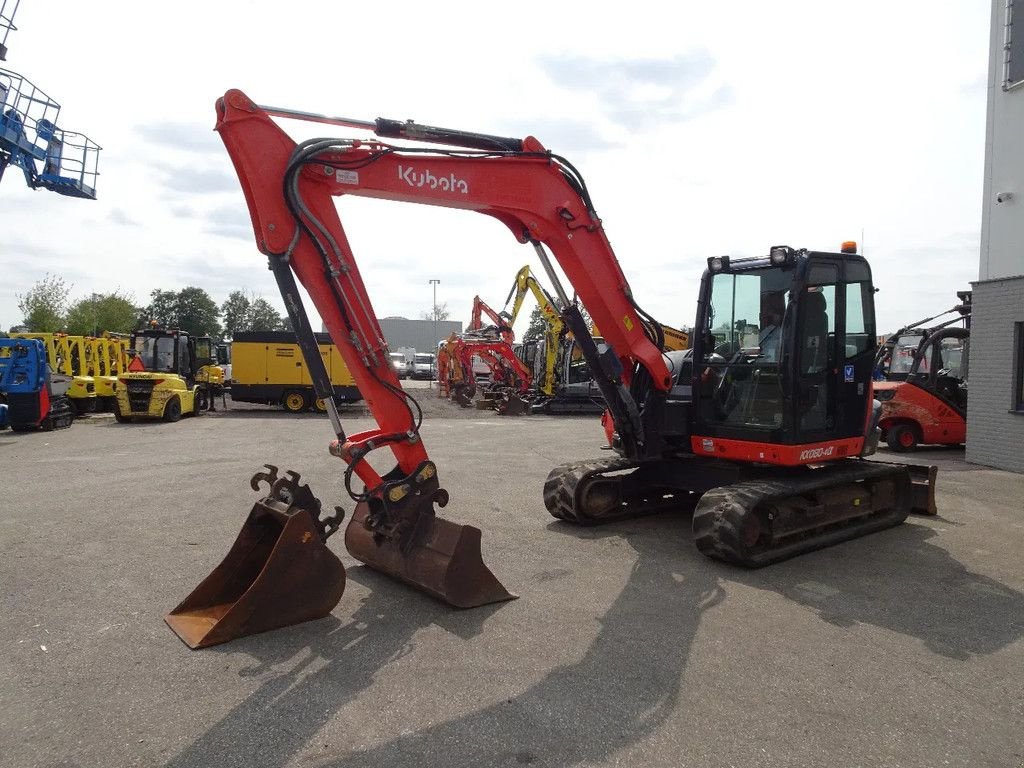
[[813, 345]]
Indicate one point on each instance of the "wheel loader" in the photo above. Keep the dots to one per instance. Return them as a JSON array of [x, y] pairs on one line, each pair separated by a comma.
[[775, 446]]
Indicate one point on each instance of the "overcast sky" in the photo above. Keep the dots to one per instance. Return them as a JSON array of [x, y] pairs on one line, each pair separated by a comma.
[[700, 128]]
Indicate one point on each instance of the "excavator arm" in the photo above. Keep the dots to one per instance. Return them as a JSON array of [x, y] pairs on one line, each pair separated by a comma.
[[502, 324], [525, 282], [279, 571]]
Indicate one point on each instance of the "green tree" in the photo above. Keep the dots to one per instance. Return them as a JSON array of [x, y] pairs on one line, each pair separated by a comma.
[[263, 317], [191, 309], [242, 313], [197, 312], [537, 325], [100, 312], [45, 304], [236, 313], [163, 308]]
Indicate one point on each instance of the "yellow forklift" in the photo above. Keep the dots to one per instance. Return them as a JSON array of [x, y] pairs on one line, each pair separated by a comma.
[[171, 374], [67, 356]]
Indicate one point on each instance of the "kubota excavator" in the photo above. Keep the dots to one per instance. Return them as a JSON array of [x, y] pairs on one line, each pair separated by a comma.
[[767, 419]]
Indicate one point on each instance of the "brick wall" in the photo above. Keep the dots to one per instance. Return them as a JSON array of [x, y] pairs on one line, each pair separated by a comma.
[[995, 437]]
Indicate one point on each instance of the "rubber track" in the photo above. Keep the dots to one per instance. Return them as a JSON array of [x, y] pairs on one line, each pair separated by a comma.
[[560, 489], [721, 513]]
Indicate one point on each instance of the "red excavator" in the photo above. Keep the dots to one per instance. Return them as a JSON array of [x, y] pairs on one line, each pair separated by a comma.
[[766, 419], [501, 323], [510, 378]]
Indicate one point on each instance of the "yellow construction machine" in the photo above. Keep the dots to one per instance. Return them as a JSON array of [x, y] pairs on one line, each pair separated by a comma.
[[267, 367], [104, 363], [171, 375], [564, 384]]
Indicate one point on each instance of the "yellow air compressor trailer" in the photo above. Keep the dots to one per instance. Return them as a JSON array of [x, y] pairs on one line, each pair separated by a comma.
[[267, 368]]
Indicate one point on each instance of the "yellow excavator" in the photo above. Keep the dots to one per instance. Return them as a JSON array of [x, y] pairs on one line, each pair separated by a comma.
[[565, 384], [554, 328]]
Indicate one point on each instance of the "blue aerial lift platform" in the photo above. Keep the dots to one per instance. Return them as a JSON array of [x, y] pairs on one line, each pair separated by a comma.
[[50, 157]]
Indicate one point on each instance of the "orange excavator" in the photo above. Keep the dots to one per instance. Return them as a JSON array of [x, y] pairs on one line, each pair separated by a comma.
[[511, 378], [765, 422], [502, 325]]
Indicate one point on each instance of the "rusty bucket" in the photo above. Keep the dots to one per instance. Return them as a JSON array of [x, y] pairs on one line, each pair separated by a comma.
[[443, 559], [279, 572]]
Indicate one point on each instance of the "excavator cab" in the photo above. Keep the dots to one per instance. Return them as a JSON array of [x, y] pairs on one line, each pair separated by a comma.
[[787, 348]]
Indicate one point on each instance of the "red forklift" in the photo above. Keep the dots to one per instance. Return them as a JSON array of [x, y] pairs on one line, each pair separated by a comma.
[[923, 386]]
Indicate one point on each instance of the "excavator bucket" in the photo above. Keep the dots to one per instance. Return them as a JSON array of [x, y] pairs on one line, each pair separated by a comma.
[[443, 560], [922, 489], [513, 405], [279, 572]]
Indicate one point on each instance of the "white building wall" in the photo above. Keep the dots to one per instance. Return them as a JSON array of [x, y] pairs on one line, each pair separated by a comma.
[[1002, 223], [995, 429]]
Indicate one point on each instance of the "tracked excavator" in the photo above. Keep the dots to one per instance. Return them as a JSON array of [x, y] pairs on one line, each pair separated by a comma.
[[766, 421], [501, 327]]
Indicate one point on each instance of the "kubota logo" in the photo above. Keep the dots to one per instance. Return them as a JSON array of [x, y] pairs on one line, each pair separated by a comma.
[[817, 453], [414, 178]]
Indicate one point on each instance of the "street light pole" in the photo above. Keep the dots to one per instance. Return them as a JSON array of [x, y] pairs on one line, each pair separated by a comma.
[[433, 351]]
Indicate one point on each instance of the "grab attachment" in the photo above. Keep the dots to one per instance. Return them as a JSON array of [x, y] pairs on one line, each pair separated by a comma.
[[279, 571], [399, 534]]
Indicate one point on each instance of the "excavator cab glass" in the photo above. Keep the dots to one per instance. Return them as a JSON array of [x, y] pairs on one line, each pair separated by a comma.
[[742, 387]]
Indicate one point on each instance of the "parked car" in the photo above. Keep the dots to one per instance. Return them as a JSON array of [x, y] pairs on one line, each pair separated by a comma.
[[400, 364], [424, 366]]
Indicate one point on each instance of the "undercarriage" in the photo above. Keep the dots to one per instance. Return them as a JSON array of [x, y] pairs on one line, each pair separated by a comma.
[[742, 514]]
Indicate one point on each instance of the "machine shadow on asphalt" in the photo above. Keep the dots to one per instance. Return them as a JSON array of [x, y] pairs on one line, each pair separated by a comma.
[[894, 579], [578, 713]]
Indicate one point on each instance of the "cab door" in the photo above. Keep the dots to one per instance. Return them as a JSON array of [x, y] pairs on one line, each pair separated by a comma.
[[816, 382], [834, 350]]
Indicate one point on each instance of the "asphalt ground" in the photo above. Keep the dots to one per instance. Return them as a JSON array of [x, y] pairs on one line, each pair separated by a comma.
[[626, 647]]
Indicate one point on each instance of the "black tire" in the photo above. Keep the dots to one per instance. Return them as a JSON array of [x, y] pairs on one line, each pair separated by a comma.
[[294, 401], [903, 438], [121, 418], [172, 411], [319, 405], [201, 402]]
